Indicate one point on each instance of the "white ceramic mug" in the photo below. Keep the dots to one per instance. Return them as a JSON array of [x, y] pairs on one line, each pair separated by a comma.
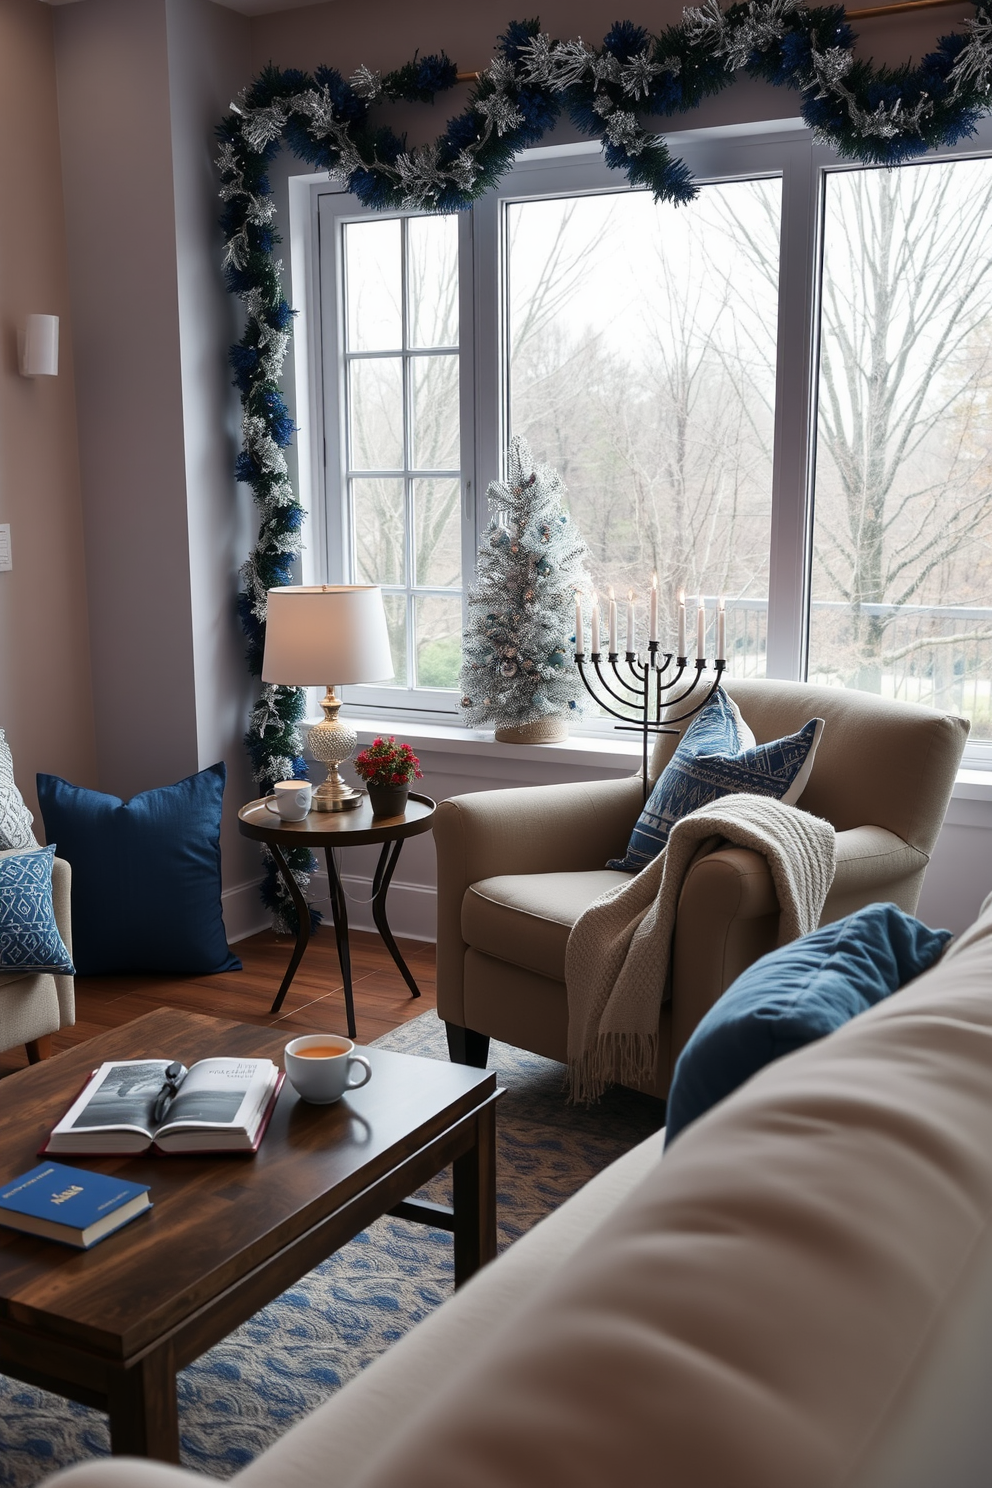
[[323, 1074], [290, 799]]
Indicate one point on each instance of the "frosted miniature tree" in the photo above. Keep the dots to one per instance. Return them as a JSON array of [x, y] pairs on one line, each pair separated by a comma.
[[517, 665]]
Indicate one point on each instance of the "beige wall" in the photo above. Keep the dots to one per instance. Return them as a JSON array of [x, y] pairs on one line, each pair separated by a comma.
[[45, 698]]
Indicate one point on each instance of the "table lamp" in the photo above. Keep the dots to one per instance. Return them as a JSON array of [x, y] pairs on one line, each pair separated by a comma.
[[316, 631]]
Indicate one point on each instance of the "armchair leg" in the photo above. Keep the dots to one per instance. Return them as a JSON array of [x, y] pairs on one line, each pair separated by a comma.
[[465, 1046], [39, 1048]]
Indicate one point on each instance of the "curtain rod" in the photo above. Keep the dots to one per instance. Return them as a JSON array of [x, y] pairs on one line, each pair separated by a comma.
[[851, 15]]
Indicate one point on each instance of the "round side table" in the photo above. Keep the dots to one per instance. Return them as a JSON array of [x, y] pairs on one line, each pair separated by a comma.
[[330, 829]]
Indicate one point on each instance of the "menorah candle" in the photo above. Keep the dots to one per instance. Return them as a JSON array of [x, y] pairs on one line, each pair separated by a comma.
[[701, 630], [654, 607], [721, 630], [594, 625], [613, 624], [578, 624], [681, 622], [631, 629]]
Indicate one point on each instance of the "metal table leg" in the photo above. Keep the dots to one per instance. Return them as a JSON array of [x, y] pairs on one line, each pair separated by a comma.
[[303, 924], [380, 886], [339, 912]]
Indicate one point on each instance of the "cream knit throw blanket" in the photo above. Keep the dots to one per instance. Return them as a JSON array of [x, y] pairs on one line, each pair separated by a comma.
[[618, 953]]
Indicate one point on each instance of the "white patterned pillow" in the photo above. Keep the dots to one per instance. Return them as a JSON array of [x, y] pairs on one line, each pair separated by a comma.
[[15, 818]]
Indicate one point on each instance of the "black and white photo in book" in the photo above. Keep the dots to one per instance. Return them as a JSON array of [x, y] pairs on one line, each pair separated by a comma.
[[129, 1105]]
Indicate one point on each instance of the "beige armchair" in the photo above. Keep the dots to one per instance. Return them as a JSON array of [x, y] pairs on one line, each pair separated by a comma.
[[516, 868], [33, 1007]]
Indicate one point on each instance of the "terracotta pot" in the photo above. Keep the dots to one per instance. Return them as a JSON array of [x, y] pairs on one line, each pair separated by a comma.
[[388, 800], [541, 731]]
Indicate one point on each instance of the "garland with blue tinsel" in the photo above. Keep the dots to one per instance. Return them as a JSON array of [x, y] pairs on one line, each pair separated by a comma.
[[876, 115]]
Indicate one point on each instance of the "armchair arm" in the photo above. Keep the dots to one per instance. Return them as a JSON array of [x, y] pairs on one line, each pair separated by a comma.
[[728, 913], [61, 902], [529, 829]]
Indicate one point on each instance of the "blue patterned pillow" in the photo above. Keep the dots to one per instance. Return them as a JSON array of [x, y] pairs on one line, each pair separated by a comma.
[[715, 758], [29, 937]]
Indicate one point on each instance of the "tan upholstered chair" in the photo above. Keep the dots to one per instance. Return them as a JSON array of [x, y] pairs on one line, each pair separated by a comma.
[[33, 1007], [516, 868]]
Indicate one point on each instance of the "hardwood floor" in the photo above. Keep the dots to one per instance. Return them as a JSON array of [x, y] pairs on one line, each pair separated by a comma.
[[314, 1003]]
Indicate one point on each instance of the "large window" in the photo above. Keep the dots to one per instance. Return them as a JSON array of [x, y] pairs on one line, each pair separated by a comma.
[[781, 393]]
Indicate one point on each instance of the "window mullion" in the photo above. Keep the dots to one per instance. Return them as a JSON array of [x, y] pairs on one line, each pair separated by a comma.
[[791, 483]]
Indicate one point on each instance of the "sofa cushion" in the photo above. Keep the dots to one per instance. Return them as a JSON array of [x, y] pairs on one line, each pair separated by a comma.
[[795, 995], [145, 875], [717, 756], [15, 818], [29, 937], [526, 918]]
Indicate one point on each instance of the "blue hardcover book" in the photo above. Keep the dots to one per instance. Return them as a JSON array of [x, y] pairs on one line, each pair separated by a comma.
[[70, 1204]]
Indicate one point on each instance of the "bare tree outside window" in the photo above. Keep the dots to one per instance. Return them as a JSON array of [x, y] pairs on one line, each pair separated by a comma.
[[642, 365], [903, 493]]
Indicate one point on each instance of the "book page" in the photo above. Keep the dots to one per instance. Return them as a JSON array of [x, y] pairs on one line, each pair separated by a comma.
[[121, 1094], [221, 1092]]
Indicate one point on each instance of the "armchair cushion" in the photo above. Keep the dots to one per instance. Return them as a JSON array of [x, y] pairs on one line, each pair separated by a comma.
[[29, 937], [794, 996], [717, 756], [15, 818]]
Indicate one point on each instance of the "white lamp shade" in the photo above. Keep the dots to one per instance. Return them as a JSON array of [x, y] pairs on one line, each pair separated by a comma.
[[326, 634]]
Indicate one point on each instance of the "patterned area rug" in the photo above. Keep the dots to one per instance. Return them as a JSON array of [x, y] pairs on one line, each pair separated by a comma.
[[294, 1353]]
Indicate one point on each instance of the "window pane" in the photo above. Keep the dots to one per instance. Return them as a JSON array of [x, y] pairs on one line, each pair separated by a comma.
[[903, 510], [396, 622], [375, 406], [374, 280], [435, 413], [642, 365], [439, 640], [380, 528], [433, 280], [437, 524]]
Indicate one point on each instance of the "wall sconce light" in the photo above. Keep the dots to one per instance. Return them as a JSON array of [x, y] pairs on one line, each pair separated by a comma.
[[38, 345]]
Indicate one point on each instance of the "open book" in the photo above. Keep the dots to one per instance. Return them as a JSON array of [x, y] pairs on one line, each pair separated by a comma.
[[220, 1105]]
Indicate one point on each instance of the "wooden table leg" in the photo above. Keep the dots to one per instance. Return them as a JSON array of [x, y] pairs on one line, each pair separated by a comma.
[[474, 1177], [380, 885], [302, 928], [144, 1414], [339, 913]]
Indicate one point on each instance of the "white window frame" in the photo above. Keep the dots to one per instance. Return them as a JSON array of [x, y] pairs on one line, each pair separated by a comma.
[[785, 148]]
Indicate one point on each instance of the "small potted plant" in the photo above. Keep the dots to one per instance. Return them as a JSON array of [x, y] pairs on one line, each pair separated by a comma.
[[387, 769]]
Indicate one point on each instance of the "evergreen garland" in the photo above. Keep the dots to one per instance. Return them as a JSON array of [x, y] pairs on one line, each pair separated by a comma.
[[876, 115]]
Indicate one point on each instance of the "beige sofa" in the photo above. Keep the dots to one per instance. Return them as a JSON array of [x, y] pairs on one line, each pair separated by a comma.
[[799, 1294], [516, 868], [33, 1007]]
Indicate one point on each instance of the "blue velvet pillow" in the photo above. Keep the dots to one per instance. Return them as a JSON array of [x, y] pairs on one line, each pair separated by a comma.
[[145, 875], [717, 756], [29, 937], [794, 996]]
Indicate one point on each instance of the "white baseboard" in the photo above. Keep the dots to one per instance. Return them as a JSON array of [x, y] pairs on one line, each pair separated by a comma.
[[243, 910], [411, 907]]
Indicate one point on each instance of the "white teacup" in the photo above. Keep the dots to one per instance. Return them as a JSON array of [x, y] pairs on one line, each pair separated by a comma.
[[290, 799], [318, 1066]]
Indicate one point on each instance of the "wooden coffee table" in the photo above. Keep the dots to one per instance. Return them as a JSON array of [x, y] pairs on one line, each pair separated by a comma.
[[111, 1326]]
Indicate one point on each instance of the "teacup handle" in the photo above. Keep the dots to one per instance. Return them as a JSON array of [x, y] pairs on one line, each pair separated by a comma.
[[357, 1084], [269, 806]]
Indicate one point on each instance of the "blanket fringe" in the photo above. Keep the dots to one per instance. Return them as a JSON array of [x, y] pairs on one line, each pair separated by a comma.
[[615, 1059]]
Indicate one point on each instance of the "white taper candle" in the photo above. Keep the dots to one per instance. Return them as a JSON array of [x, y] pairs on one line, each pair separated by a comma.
[[654, 607], [701, 630], [594, 625], [682, 651], [613, 624], [578, 624], [631, 627], [721, 630]]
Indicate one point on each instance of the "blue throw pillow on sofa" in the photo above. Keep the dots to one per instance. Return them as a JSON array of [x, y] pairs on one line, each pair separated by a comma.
[[29, 936], [717, 756], [795, 995], [145, 875]]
